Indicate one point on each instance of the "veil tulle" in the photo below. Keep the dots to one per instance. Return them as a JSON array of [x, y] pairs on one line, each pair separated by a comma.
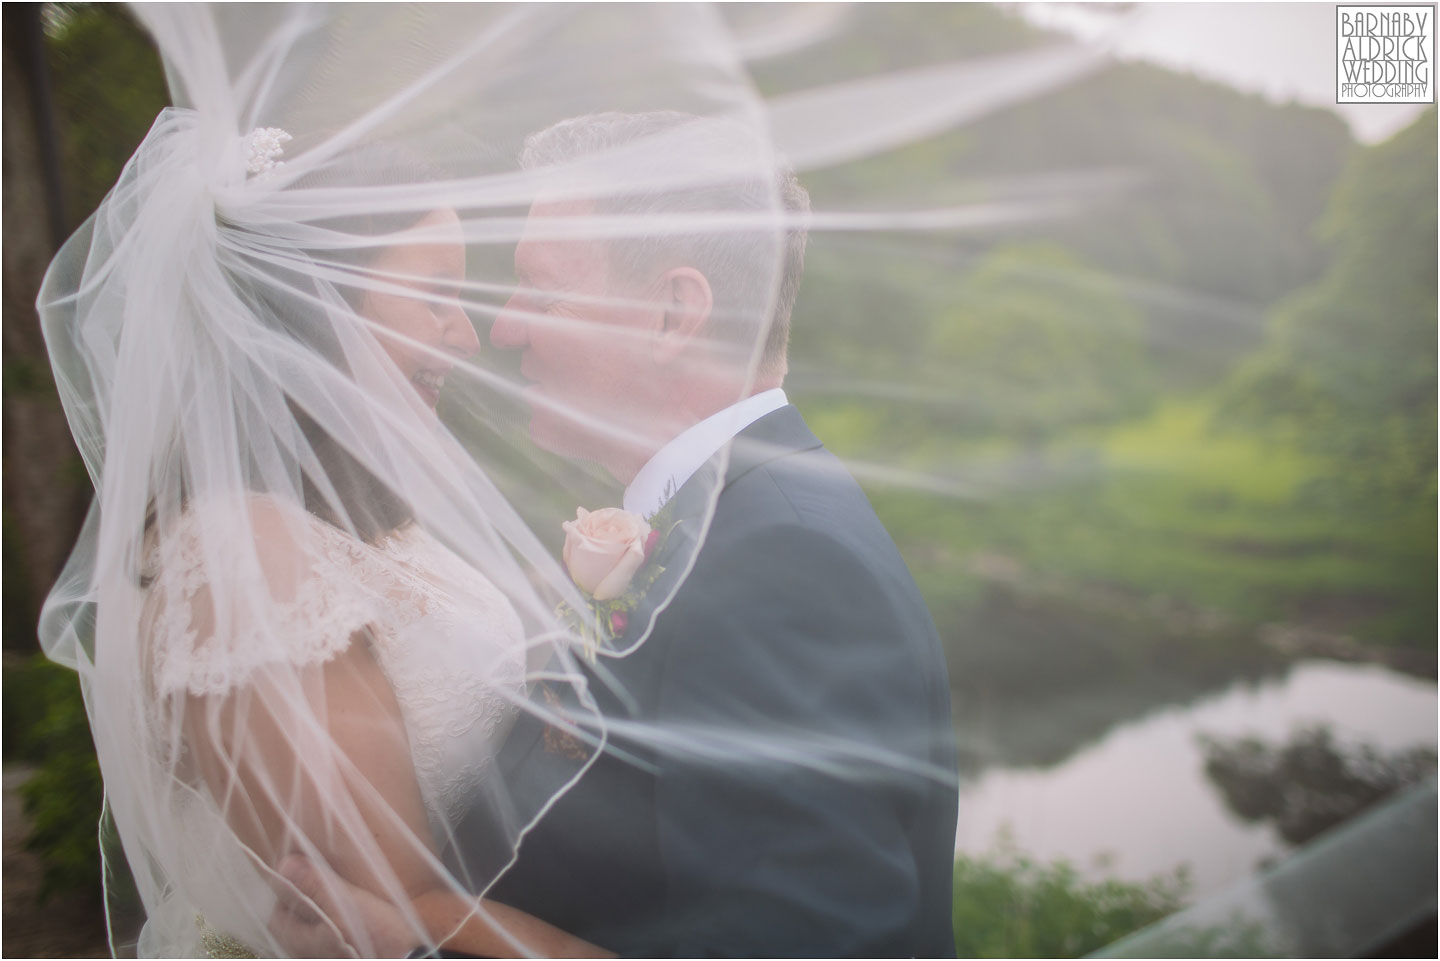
[[250, 336]]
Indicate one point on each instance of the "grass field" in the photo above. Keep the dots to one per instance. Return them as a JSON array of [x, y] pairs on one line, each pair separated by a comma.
[[1183, 518]]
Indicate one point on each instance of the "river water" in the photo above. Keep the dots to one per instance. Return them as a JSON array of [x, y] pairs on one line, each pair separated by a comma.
[[1137, 803]]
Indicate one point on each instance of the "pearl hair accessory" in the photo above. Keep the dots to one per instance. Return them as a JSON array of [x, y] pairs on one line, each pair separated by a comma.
[[265, 145]]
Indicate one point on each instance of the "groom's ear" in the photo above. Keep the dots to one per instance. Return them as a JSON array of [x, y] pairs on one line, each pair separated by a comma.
[[686, 302]]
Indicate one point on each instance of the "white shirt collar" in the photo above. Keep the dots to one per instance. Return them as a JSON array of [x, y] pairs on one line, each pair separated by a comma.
[[677, 461]]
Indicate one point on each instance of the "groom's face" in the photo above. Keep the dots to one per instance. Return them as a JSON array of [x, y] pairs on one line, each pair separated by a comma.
[[584, 338]]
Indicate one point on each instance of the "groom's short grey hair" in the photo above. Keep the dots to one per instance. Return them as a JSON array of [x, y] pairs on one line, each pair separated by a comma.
[[678, 163]]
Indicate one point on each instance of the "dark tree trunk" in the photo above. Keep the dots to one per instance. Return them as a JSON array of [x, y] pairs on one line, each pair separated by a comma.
[[45, 488]]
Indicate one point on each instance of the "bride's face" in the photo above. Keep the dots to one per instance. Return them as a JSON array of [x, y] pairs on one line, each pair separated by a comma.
[[423, 335]]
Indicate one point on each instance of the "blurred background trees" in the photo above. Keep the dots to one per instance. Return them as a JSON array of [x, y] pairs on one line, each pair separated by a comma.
[[1348, 370], [1310, 783], [82, 85]]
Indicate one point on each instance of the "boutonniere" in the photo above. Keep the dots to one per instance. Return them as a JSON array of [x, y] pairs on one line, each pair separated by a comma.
[[610, 555]]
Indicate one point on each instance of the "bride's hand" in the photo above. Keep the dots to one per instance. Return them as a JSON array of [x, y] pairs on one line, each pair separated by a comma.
[[315, 905], [308, 918]]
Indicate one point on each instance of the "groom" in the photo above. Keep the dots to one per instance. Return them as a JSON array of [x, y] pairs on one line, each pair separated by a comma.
[[798, 637], [799, 625]]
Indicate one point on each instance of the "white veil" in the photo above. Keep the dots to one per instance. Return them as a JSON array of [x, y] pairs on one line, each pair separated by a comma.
[[266, 344]]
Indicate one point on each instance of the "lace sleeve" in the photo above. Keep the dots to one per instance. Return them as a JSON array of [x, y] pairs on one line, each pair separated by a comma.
[[218, 612]]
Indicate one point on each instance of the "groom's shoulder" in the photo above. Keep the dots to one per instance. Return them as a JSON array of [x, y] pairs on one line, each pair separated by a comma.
[[805, 488], [802, 504], [794, 541]]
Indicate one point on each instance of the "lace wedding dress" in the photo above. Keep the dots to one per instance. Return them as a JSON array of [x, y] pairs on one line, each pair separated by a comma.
[[449, 643]]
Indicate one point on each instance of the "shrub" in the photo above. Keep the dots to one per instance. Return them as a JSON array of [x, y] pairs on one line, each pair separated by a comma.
[[46, 725], [1009, 906]]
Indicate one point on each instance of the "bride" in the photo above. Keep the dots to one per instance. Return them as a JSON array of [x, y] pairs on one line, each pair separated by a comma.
[[311, 670]]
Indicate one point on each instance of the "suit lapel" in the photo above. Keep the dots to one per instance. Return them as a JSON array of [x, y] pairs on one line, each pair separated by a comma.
[[778, 434]]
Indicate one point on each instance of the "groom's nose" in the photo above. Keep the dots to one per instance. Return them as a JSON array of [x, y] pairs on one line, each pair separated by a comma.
[[510, 331]]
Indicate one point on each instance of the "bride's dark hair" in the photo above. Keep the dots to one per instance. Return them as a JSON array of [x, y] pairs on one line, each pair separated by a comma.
[[366, 505], [289, 301]]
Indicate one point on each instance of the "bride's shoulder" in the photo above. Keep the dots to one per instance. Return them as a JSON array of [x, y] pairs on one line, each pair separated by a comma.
[[246, 582], [284, 539]]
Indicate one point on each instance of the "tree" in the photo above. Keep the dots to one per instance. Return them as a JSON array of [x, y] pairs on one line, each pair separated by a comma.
[[41, 502], [82, 85], [1309, 784], [1349, 372]]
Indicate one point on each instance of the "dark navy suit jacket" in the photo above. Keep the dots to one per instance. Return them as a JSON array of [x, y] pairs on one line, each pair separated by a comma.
[[799, 628]]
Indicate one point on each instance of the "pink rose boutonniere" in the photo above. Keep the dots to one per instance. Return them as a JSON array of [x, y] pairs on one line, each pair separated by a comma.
[[604, 549], [607, 554]]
